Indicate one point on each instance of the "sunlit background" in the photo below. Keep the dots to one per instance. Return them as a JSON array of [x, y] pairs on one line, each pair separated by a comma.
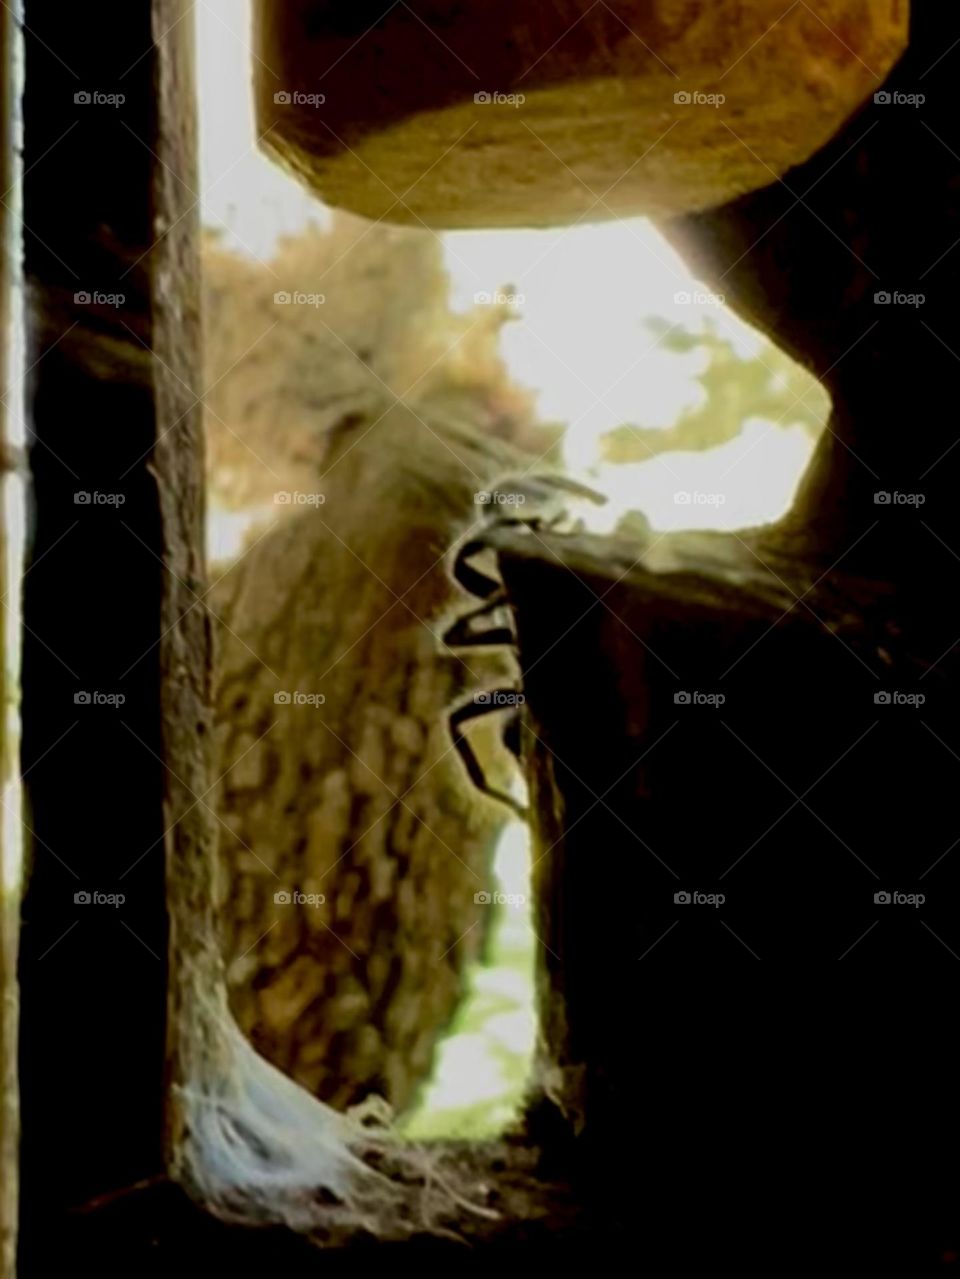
[[670, 406]]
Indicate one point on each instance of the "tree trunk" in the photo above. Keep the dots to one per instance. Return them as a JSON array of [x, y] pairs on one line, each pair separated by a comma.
[[351, 843]]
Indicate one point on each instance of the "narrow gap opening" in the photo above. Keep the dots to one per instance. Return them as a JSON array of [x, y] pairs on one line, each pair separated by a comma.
[[483, 1064], [315, 323], [591, 350]]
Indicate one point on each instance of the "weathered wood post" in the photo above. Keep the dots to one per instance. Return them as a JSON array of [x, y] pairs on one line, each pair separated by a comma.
[[109, 234], [137, 1086]]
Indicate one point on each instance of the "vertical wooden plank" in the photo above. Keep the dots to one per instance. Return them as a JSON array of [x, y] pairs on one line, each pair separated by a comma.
[[109, 219]]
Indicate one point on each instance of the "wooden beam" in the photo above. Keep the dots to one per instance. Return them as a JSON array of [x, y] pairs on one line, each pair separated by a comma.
[[728, 761], [505, 113], [109, 214]]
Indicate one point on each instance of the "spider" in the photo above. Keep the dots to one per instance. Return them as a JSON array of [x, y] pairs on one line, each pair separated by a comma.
[[490, 626]]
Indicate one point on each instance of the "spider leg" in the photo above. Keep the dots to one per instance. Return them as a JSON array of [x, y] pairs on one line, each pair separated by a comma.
[[456, 720], [512, 736], [463, 633], [471, 578]]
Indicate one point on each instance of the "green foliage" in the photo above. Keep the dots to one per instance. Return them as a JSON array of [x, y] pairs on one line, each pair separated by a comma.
[[769, 385]]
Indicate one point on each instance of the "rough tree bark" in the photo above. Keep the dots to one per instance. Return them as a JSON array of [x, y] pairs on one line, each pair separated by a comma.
[[358, 799]]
